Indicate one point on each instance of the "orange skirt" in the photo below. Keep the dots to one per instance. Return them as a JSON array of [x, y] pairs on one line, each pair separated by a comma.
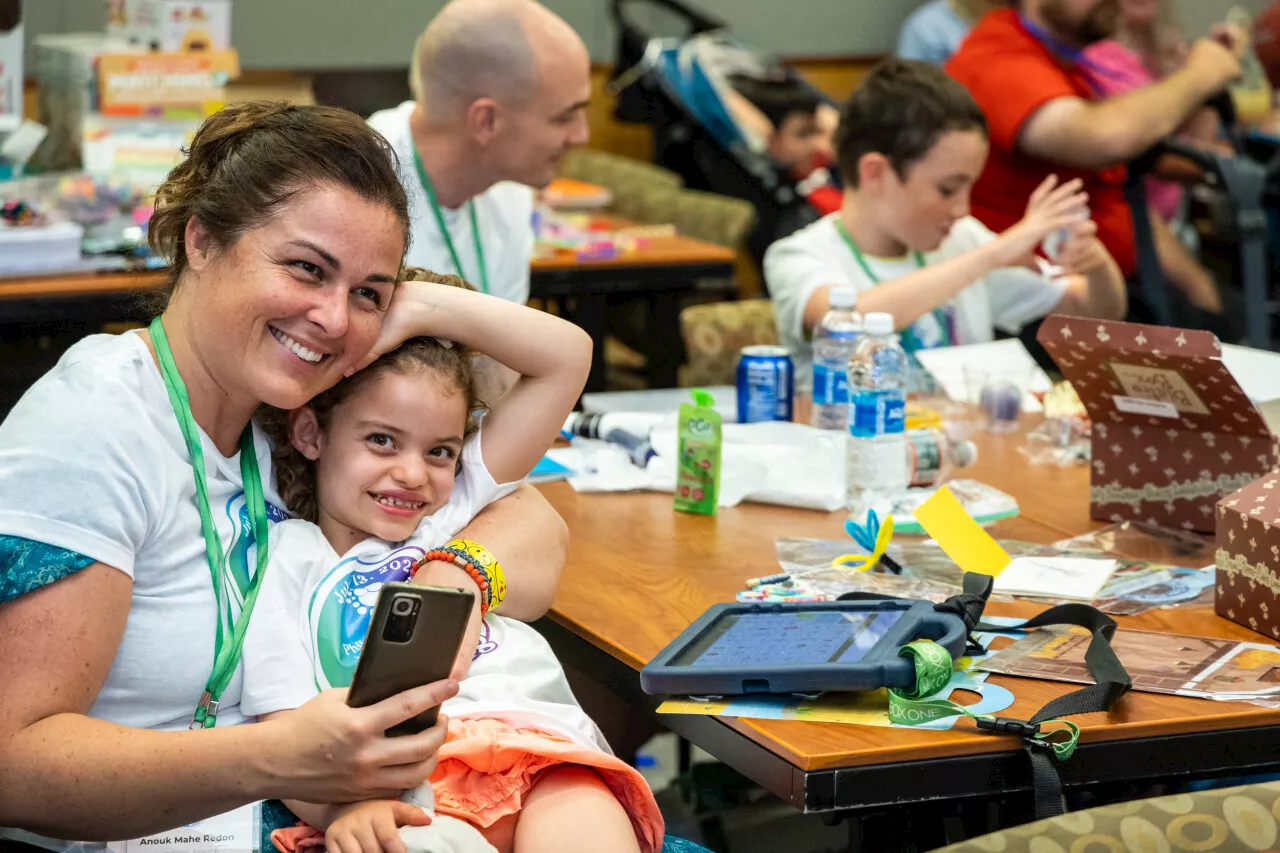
[[486, 768]]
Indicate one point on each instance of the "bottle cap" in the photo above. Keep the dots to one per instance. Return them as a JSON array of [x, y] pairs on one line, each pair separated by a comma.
[[964, 454], [878, 323], [843, 297]]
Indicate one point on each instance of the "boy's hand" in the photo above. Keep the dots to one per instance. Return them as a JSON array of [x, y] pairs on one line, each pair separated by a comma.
[[1051, 207], [1083, 252], [373, 827]]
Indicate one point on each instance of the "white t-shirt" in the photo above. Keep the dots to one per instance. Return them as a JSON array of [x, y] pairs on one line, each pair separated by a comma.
[[504, 213], [817, 256], [314, 609], [92, 460]]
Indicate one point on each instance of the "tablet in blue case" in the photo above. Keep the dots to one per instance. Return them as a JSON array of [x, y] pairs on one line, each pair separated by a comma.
[[758, 647]]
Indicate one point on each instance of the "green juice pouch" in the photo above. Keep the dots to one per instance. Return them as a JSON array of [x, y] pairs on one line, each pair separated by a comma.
[[698, 464]]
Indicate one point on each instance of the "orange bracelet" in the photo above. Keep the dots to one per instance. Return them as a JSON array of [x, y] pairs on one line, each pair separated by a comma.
[[467, 565]]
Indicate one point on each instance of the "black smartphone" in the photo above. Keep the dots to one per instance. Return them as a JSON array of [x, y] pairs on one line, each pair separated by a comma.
[[414, 638]]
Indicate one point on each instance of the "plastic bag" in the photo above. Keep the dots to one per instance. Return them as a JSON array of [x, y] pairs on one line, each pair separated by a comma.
[[928, 573]]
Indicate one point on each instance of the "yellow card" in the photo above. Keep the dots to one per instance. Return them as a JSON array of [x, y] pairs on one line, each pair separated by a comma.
[[963, 540]]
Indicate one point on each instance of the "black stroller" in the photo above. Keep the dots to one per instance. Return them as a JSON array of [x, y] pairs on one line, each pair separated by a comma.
[[1249, 183], [676, 85]]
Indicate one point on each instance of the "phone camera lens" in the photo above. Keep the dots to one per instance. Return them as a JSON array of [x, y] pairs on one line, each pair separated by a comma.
[[401, 607]]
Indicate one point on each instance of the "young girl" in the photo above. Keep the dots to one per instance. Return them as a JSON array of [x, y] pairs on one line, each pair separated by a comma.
[[380, 470]]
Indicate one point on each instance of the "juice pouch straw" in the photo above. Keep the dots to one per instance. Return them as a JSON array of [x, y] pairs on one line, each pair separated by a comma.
[[698, 462]]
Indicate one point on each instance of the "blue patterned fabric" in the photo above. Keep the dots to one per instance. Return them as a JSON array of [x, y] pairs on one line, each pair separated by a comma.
[[26, 564], [276, 816]]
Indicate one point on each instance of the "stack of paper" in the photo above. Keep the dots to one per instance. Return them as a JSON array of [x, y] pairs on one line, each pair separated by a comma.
[[1070, 578]]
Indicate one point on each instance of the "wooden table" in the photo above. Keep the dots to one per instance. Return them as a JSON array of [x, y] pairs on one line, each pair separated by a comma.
[[639, 573], [660, 272]]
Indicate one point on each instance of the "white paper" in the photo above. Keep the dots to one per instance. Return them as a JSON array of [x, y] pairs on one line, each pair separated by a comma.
[[948, 365], [779, 463], [1140, 406], [1075, 578], [1257, 371]]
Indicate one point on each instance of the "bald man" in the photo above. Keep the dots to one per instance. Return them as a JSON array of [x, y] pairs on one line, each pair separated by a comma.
[[500, 90]]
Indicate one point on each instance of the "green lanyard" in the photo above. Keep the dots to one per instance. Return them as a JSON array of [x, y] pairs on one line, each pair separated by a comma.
[[933, 673], [444, 232], [229, 637], [909, 340]]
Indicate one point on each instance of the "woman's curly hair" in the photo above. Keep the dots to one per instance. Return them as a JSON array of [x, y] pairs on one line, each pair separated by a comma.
[[295, 473]]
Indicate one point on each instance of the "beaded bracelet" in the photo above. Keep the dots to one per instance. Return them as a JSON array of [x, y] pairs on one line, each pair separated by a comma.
[[476, 561]]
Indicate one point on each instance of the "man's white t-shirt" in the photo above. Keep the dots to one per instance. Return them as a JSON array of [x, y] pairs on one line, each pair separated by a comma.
[[504, 213], [817, 256], [92, 460], [315, 606]]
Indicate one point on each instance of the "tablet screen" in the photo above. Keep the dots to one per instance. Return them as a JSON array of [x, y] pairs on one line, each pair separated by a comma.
[[793, 638]]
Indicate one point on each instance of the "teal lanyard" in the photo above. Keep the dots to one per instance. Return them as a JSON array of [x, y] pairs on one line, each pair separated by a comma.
[[430, 190], [229, 637], [909, 340]]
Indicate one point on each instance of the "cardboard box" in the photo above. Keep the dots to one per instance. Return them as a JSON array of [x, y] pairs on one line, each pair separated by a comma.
[[1173, 432], [171, 25], [1248, 556], [148, 84], [11, 79]]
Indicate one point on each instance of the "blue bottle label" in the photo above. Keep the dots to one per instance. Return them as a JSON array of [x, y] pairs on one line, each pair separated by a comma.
[[875, 413], [830, 385]]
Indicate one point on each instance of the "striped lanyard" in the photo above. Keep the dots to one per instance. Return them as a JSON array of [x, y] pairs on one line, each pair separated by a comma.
[[430, 189], [910, 341], [229, 637]]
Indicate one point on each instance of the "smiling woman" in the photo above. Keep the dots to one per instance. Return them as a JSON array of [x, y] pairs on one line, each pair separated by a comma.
[[133, 513]]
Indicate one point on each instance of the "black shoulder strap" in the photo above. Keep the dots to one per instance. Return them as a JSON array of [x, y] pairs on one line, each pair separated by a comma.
[[1111, 680]]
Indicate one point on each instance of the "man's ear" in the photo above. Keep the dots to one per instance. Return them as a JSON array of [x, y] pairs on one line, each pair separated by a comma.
[[199, 244], [874, 171], [305, 434], [484, 120]]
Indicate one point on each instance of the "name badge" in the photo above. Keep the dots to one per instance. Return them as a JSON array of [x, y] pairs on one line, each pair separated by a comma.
[[238, 831]]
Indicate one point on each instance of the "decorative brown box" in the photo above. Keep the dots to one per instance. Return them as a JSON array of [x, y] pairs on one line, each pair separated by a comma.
[[1172, 430], [1248, 555]]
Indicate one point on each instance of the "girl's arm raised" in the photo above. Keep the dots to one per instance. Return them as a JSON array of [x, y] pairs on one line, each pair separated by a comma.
[[551, 356]]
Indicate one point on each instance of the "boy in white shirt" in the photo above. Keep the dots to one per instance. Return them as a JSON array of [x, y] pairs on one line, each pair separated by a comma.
[[910, 146]]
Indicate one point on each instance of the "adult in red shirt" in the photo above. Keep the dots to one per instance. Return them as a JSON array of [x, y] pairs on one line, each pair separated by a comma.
[[1024, 68]]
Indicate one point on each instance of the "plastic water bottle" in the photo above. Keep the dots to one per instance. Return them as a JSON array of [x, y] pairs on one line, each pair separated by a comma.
[[833, 344], [878, 469], [933, 456]]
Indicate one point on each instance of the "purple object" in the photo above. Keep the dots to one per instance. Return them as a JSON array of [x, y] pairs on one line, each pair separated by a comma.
[[1001, 402]]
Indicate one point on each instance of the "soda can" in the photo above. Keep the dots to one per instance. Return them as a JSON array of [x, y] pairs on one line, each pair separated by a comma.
[[766, 384]]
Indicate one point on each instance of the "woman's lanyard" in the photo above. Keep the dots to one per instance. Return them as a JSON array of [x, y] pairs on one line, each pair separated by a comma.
[[910, 342], [430, 190], [229, 638]]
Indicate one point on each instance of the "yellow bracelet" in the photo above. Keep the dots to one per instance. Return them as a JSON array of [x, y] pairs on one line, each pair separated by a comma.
[[480, 557]]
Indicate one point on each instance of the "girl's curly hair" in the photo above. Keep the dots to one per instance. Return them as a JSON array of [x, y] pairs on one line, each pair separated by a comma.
[[295, 473]]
